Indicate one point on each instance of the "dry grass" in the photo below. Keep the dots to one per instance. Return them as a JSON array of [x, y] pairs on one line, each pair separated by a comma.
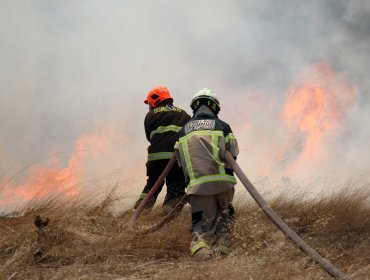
[[84, 240]]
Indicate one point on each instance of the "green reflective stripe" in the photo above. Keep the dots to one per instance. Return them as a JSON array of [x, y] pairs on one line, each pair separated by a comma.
[[143, 195], [163, 129], [158, 156], [229, 137], [223, 249], [222, 176], [177, 144], [198, 246], [189, 166], [214, 147], [183, 141], [166, 109], [211, 178], [216, 154], [221, 168], [201, 132]]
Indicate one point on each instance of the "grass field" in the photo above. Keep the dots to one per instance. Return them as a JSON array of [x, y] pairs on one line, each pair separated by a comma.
[[85, 239]]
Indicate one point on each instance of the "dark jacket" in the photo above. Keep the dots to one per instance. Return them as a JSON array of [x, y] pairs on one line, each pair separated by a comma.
[[161, 126]]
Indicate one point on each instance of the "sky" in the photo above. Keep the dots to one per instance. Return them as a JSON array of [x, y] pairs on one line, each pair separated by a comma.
[[74, 74]]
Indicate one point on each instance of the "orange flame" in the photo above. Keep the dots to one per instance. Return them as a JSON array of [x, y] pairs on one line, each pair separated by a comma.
[[314, 110], [91, 150]]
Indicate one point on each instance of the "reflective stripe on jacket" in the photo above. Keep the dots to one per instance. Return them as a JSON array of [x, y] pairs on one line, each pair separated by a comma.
[[200, 151], [158, 156], [161, 127]]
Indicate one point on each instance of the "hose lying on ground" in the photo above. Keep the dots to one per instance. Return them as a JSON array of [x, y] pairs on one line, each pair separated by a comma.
[[169, 217], [155, 187], [324, 263], [275, 218]]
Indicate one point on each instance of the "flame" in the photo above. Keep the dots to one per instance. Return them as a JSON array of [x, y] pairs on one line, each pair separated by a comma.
[[314, 111], [93, 152]]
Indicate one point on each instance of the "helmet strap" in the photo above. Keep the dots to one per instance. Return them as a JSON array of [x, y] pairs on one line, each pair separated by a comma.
[[209, 103], [213, 106]]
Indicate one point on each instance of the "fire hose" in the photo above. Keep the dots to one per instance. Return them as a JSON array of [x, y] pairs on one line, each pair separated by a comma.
[[155, 187], [274, 217]]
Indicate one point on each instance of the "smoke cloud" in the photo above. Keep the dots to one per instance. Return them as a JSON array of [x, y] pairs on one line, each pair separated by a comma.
[[69, 69]]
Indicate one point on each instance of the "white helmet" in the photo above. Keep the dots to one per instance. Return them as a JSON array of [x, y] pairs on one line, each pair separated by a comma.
[[209, 97]]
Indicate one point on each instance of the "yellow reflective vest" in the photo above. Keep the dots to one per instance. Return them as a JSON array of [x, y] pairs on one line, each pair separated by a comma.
[[200, 150]]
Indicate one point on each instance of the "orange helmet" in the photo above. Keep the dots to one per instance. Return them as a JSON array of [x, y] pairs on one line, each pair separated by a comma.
[[157, 95]]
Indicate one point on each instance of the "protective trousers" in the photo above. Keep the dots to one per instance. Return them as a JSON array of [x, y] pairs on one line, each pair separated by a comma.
[[212, 222], [175, 182]]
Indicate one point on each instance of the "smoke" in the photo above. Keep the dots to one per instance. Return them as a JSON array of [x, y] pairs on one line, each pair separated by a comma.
[[67, 69]]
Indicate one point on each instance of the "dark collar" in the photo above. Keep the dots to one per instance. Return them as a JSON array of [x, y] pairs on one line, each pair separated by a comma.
[[204, 110]]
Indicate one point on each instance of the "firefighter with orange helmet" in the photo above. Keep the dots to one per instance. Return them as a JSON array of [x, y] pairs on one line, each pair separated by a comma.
[[200, 149], [162, 123]]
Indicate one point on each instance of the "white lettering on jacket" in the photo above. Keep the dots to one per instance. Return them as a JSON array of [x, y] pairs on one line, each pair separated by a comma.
[[200, 125]]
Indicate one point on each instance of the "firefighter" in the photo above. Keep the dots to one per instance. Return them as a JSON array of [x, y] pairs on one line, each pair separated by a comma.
[[162, 123], [200, 150]]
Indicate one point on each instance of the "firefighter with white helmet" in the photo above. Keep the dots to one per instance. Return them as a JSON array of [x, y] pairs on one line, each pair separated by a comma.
[[162, 123], [200, 150]]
